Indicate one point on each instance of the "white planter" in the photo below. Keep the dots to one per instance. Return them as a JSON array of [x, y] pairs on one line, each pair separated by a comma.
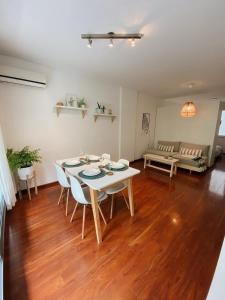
[[98, 110], [24, 172]]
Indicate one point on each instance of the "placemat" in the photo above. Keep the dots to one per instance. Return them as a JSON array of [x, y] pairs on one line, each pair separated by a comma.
[[64, 165], [102, 174], [117, 170]]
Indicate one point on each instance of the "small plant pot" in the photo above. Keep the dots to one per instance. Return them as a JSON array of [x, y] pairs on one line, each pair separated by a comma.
[[83, 106], [24, 172], [98, 110]]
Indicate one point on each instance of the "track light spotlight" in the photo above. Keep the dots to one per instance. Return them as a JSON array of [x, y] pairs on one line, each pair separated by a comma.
[[111, 43], [89, 45], [133, 44]]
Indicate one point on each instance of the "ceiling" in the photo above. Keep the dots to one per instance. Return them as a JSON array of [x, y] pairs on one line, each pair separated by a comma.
[[183, 40]]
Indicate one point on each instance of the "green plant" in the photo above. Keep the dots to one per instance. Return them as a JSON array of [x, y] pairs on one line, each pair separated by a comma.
[[22, 159], [81, 102]]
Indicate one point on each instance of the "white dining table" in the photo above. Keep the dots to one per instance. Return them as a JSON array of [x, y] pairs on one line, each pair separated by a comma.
[[102, 183]]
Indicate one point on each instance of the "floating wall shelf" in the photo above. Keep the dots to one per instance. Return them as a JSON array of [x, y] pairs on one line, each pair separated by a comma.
[[59, 108], [104, 115]]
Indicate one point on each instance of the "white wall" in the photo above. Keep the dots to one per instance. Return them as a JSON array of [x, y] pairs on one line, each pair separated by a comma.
[[132, 140], [128, 108], [28, 117], [217, 288], [145, 104], [220, 140], [199, 129]]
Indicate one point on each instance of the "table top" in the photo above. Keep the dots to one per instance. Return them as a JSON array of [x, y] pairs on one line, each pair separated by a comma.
[[161, 158], [103, 182]]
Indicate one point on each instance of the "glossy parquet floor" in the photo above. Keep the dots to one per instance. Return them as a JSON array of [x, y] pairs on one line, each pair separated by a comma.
[[168, 250]]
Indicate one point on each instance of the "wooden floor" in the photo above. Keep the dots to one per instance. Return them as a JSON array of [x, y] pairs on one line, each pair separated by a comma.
[[168, 250]]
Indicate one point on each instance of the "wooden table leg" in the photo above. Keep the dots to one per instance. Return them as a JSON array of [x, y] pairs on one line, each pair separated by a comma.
[[94, 205], [130, 195], [67, 200], [175, 169], [145, 162], [171, 170]]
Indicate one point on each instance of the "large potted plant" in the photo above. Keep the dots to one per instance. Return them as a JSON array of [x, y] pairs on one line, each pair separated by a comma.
[[22, 161]]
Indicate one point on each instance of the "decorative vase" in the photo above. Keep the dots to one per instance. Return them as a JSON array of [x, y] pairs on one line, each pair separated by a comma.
[[83, 106], [24, 172], [98, 110]]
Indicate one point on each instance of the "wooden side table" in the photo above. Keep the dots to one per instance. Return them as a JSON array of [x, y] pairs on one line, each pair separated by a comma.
[[28, 181]]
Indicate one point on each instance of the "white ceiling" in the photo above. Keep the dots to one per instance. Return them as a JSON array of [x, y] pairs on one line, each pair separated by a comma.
[[184, 40]]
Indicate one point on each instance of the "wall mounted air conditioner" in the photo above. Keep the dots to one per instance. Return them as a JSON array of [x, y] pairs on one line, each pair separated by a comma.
[[20, 76]]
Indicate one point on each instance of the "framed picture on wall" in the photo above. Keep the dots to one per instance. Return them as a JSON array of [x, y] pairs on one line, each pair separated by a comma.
[[146, 123]]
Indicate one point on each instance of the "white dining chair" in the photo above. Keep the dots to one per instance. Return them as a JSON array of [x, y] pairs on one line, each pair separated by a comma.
[[64, 183], [117, 188], [82, 196], [106, 156]]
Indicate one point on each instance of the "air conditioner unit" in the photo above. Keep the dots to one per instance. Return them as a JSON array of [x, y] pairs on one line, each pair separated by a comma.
[[20, 76]]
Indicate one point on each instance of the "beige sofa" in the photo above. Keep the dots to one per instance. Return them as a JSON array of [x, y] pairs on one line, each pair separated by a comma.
[[193, 157]]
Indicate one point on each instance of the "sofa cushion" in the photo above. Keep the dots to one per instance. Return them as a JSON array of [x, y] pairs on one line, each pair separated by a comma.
[[189, 151], [204, 148], [171, 143], [158, 152], [166, 148], [188, 160]]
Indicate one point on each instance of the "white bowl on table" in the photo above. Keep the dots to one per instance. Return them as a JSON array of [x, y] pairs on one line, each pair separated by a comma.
[[116, 165], [72, 162], [91, 172], [93, 157]]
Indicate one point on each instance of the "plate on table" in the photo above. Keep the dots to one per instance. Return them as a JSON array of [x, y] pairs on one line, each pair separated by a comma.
[[93, 158], [72, 163], [117, 166], [92, 172]]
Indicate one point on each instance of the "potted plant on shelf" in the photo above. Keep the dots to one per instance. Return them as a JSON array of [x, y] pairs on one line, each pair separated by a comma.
[[100, 109], [81, 103], [22, 161]]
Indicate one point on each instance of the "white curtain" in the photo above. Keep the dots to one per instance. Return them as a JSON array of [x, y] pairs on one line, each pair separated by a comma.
[[6, 183]]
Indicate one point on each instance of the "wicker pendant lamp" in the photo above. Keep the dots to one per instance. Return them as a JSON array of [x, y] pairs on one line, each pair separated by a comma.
[[188, 110]]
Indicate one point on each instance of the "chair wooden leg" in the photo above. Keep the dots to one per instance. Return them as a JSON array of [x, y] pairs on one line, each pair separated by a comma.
[[75, 208], [83, 222], [61, 194], [112, 204], [101, 213], [125, 200], [67, 201]]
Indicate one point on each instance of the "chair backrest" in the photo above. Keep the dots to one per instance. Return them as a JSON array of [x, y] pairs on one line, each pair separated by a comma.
[[61, 176], [106, 156], [77, 190], [124, 161]]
